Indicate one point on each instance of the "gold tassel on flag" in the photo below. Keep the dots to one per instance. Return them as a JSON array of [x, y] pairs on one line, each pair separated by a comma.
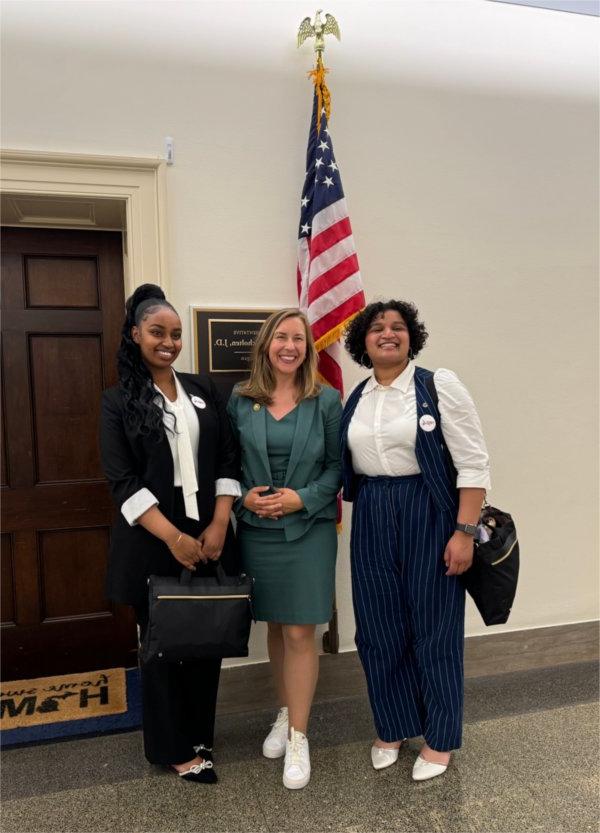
[[322, 91]]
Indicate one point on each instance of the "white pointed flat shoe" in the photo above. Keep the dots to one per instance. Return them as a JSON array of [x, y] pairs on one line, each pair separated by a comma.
[[424, 770], [382, 757]]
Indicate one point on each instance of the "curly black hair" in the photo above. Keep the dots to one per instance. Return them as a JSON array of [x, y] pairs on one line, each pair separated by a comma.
[[142, 414], [357, 329]]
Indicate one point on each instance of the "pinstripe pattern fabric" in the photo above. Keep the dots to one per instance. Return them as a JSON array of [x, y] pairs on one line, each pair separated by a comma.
[[430, 448], [409, 614]]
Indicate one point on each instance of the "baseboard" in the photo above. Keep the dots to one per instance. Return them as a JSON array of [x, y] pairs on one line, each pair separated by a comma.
[[249, 687], [523, 650]]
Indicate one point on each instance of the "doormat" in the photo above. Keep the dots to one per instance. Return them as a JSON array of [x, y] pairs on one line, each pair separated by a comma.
[[74, 704]]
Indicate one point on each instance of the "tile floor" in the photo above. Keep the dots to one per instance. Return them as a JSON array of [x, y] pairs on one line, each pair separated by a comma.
[[529, 763]]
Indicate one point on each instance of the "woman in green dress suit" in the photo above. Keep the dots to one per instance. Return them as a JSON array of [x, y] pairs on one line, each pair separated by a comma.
[[288, 429]]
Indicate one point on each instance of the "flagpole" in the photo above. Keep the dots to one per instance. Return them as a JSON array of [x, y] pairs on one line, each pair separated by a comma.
[[319, 29]]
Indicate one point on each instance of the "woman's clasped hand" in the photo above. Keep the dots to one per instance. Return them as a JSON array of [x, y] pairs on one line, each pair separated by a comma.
[[212, 539], [272, 504], [207, 547], [186, 550]]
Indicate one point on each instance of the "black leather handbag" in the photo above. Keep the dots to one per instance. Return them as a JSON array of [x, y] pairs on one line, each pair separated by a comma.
[[197, 618], [491, 580]]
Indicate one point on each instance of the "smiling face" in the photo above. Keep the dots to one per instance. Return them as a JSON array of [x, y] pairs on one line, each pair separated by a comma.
[[159, 338], [287, 349], [387, 341]]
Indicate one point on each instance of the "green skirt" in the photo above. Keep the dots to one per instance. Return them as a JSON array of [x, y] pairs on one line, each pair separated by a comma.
[[294, 581]]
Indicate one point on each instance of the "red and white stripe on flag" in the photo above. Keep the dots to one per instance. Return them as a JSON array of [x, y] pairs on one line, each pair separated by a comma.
[[329, 284]]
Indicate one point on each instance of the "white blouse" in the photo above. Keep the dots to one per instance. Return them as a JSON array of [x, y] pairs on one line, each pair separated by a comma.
[[183, 442], [383, 429]]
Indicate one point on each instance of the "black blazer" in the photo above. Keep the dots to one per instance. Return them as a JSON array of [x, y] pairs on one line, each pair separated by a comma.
[[132, 462]]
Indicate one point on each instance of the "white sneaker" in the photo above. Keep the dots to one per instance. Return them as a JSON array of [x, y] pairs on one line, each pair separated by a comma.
[[274, 743], [296, 768]]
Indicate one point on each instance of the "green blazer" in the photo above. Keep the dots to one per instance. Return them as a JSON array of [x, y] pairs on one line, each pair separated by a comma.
[[314, 468]]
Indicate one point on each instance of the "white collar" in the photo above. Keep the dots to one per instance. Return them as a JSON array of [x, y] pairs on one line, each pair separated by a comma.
[[401, 382]]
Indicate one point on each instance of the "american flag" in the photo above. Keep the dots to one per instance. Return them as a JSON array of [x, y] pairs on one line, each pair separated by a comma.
[[330, 289]]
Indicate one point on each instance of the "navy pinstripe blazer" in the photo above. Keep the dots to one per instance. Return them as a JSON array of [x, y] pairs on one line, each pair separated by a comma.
[[432, 454]]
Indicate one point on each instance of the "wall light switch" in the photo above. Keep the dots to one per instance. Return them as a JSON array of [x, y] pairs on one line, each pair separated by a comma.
[[169, 150]]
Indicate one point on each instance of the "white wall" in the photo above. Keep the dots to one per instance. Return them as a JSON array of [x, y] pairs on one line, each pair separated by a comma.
[[466, 133]]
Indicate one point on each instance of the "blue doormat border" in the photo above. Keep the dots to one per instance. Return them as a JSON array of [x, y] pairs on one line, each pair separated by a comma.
[[127, 721]]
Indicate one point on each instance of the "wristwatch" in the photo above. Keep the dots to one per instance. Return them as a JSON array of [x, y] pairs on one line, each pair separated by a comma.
[[470, 529]]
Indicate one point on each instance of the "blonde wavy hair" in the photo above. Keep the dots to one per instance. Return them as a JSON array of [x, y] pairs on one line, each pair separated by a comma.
[[261, 384]]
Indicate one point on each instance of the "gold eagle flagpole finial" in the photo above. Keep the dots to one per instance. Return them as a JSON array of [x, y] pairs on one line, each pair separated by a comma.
[[318, 30]]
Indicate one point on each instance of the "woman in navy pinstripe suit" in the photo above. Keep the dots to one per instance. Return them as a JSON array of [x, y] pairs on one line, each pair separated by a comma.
[[416, 466]]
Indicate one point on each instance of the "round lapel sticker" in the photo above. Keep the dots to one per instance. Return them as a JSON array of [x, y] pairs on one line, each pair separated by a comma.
[[198, 401], [427, 422]]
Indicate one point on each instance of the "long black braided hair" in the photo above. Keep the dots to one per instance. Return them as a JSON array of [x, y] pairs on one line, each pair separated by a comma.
[[142, 414]]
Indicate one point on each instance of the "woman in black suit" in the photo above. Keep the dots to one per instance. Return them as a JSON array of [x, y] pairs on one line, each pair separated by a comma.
[[172, 464]]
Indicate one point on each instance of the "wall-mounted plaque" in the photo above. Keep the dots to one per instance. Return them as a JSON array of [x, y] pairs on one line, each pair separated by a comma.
[[223, 341]]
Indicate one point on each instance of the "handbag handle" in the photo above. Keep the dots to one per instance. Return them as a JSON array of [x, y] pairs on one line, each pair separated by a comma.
[[186, 576]]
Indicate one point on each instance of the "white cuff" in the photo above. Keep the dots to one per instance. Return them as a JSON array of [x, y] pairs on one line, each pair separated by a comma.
[[227, 486], [473, 479], [137, 504]]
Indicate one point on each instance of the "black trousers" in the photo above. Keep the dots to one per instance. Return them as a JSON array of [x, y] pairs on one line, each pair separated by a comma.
[[178, 699], [178, 706]]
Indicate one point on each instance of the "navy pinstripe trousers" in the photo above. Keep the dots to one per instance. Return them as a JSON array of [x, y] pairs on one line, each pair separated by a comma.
[[409, 614]]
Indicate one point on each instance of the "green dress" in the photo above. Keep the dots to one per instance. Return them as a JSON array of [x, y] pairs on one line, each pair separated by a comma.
[[294, 581]]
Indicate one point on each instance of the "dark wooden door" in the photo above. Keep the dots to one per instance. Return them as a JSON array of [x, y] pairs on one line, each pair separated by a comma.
[[62, 308]]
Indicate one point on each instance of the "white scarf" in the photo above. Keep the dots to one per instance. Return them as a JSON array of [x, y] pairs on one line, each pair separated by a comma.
[[178, 434]]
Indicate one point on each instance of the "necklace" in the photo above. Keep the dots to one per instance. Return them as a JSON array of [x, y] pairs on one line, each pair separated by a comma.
[[168, 388]]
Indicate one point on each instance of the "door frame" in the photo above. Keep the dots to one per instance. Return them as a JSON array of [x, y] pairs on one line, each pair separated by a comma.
[[139, 182]]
